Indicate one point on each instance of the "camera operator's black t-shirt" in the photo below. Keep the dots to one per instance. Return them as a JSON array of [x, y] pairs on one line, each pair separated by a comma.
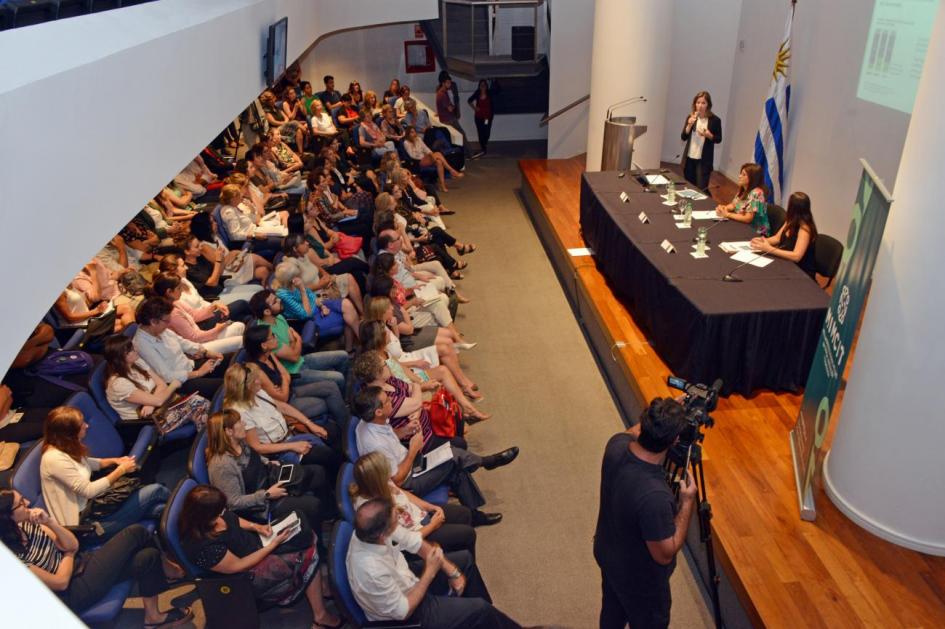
[[636, 506]]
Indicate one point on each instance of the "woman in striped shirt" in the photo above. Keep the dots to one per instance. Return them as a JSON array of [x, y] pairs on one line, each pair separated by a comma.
[[51, 552]]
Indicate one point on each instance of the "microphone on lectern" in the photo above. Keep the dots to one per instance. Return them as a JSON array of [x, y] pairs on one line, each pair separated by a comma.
[[730, 276], [635, 99]]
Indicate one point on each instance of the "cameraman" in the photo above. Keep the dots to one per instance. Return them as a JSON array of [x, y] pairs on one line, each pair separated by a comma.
[[640, 527]]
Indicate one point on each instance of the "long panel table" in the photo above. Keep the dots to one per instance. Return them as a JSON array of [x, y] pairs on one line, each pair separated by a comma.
[[758, 333]]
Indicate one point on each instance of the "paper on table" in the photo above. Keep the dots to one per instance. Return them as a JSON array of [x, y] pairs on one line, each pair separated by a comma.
[[436, 457], [657, 180], [426, 293], [705, 215], [753, 258], [735, 246], [12, 417], [290, 522]]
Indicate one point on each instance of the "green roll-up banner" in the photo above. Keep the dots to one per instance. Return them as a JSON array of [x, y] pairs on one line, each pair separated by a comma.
[[850, 289]]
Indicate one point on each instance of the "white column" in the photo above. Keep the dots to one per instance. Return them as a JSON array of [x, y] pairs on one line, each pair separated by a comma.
[[885, 470], [631, 57]]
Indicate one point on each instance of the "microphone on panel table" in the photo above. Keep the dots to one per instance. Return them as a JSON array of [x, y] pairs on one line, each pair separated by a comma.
[[730, 276]]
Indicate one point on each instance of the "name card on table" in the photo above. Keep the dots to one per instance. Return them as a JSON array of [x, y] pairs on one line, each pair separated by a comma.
[[643, 218], [624, 197], [667, 246]]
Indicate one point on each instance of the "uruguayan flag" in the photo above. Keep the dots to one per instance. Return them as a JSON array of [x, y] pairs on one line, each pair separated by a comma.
[[772, 132]]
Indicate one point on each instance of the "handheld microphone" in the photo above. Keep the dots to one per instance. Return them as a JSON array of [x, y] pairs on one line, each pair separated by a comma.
[[730, 276]]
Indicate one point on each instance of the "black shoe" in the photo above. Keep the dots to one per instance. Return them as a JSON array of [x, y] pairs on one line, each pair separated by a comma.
[[502, 458], [480, 518]]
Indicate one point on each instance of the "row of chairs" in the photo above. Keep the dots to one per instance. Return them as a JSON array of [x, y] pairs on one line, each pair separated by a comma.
[[19, 13], [828, 251], [103, 441]]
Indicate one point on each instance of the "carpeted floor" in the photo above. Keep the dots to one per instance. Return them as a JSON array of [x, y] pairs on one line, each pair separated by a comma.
[[547, 396]]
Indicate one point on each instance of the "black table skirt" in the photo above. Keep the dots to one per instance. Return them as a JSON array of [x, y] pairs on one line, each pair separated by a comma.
[[758, 333]]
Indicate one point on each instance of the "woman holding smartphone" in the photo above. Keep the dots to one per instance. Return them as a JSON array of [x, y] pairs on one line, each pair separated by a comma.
[[254, 485], [701, 132]]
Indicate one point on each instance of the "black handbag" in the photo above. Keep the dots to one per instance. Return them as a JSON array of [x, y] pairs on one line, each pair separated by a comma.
[[109, 501]]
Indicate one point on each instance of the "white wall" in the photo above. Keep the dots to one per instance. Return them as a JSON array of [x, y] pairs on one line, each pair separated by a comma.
[[705, 38], [374, 56], [98, 112], [829, 129], [572, 37]]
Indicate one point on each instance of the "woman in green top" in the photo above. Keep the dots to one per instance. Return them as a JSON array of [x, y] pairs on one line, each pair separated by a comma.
[[749, 204]]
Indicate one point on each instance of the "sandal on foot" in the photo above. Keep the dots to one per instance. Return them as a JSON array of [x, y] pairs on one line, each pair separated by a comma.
[[175, 617], [466, 249], [318, 625], [456, 275]]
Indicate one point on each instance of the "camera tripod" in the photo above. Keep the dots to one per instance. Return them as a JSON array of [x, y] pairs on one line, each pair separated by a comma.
[[678, 461]]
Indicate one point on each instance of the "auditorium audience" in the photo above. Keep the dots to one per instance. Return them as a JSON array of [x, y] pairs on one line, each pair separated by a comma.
[[223, 337], [132, 389], [82, 577]]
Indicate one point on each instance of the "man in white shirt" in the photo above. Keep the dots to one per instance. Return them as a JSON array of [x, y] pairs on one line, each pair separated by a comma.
[[171, 356], [374, 433], [449, 592]]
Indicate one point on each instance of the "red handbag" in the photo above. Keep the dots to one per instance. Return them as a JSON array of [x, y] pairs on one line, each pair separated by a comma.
[[445, 413], [347, 245]]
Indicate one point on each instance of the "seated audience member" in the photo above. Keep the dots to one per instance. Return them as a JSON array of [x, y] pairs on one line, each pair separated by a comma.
[[322, 125], [65, 471], [201, 280], [374, 433], [313, 399], [225, 337], [265, 419], [418, 150], [417, 197], [425, 235], [281, 154], [325, 284], [450, 526], [178, 202], [292, 106], [307, 96], [52, 554], [419, 119], [371, 105], [449, 592], [301, 303], [795, 240], [392, 128], [216, 539], [390, 240], [347, 113], [749, 205], [172, 357], [265, 167], [132, 389], [399, 104], [195, 177], [354, 90], [239, 267], [243, 224], [330, 97], [371, 135], [331, 366], [250, 482], [291, 130], [392, 92]]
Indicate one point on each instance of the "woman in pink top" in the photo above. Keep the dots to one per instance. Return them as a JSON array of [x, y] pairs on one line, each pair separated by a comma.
[[224, 337]]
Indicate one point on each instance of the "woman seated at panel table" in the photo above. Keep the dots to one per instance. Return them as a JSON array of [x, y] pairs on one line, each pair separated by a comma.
[[749, 204], [795, 240]]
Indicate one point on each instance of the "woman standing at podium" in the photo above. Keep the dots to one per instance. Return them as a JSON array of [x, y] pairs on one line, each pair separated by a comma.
[[702, 131]]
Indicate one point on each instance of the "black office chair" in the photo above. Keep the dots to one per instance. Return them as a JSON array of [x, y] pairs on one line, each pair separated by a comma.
[[827, 254], [776, 217]]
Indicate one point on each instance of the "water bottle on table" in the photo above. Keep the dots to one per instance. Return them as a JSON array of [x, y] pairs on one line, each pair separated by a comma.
[[687, 213], [671, 192]]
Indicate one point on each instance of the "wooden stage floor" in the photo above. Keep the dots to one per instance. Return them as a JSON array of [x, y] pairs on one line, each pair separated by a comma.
[[786, 572]]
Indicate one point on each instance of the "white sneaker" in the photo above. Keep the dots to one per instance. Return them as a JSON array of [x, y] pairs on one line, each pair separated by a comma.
[[465, 345]]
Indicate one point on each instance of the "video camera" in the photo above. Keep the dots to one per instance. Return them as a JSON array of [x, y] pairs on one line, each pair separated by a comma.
[[699, 401]]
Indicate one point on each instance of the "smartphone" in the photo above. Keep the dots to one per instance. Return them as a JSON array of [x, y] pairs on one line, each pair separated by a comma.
[[285, 473]]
